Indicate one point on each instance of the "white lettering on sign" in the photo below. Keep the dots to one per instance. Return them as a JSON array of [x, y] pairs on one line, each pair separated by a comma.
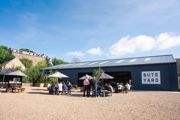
[[151, 77]]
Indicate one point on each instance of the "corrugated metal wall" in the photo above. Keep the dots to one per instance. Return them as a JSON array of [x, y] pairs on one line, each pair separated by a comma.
[[168, 72]]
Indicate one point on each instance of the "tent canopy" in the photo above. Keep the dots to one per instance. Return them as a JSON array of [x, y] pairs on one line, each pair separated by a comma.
[[16, 73], [86, 76], [105, 76], [57, 75], [6, 71]]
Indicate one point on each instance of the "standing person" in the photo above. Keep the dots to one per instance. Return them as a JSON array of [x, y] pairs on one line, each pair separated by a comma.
[[56, 88], [128, 86], [88, 89], [69, 85], [60, 87], [86, 84], [91, 86], [95, 87], [65, 88], [98, 89], [52, 88]]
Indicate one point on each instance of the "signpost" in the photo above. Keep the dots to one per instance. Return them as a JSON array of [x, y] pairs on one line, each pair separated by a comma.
[[151, 77]]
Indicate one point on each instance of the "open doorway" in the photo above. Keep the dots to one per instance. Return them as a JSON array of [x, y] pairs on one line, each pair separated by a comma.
[[120, 77]]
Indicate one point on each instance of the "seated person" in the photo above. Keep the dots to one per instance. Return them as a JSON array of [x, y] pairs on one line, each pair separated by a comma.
[[120, 87], [52, 88], [107, 89], [127, 87], [111, 89]]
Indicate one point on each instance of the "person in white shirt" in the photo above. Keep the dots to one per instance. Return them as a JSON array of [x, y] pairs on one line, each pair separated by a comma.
[[120, 87], [128, 86], [60, 87]]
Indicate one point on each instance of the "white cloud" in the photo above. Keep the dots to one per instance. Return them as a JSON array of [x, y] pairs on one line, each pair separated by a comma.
[[76, 54], [129, 45], [166, 41], [143, 43], [95, 51]]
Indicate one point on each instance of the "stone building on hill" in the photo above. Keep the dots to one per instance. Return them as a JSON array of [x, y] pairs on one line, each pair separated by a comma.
[[35, 58], [13, 64]]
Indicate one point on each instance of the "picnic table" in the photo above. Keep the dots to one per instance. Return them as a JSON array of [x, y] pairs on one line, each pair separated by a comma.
[[15, 89]]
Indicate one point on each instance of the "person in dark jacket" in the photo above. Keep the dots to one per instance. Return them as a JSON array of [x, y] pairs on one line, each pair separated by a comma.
[[65, 88], [69, 85]]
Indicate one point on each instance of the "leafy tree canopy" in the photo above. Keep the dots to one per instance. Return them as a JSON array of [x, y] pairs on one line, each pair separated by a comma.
[[35, 73], [56, 61], [96, 73], [4, 47], [26, 62], [26, 50], [5, 54]]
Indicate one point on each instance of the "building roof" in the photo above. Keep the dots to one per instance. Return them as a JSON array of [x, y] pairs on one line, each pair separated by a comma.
[[13, 63], [117, 62], [16, 73], [3, 72]]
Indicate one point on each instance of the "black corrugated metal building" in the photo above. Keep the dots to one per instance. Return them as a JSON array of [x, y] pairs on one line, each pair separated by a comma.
[[146, 73], [178, 70]]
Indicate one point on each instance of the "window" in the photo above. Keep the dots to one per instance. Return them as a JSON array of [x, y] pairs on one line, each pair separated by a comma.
[[133, 60], [79, 64], [104, 62], [119, 61], [93, 63], [147, 59]]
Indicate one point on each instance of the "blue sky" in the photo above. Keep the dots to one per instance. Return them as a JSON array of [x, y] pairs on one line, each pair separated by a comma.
[[83, 30]]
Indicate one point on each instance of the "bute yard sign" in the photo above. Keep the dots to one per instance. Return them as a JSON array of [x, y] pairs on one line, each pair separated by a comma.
[[151, 77]]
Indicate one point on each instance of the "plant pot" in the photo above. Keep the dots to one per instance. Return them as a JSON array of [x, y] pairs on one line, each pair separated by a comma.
[[46, 84], [39, 84]]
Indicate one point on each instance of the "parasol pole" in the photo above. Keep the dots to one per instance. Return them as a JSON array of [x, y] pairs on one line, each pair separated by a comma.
[[3, 80]]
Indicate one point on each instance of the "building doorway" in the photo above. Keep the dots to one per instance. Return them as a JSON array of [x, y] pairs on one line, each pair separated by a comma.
[[119, 77], [80, 82]]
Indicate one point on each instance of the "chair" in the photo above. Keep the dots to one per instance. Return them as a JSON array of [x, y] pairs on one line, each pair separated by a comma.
[[22, 89], [8, 89], [105, 93]]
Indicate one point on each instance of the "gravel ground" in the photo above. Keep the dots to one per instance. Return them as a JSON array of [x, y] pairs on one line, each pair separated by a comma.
[[36, 104]]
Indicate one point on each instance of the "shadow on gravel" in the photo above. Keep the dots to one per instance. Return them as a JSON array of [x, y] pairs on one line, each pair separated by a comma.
[[42, 93], [40, 89]]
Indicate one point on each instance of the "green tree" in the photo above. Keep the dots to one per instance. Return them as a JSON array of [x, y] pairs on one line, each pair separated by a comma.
[[56, 61], [26, 62], [5, 54], [35, 74], [97, 73]]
